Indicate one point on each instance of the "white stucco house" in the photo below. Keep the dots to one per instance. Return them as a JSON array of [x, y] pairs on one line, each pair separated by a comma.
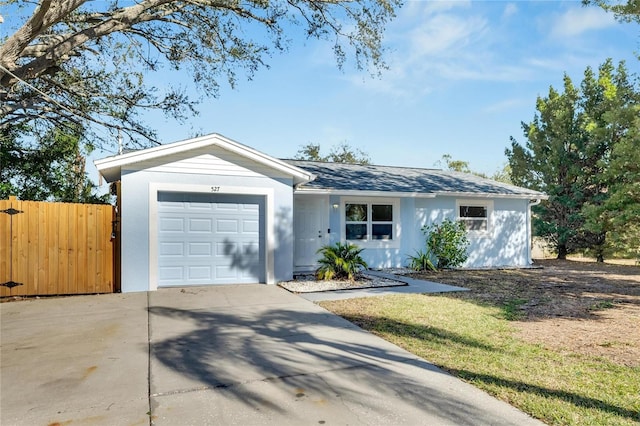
[[210, 210]]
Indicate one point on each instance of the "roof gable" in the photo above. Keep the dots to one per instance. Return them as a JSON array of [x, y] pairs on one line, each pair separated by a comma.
[[349, 178], [111, 167]]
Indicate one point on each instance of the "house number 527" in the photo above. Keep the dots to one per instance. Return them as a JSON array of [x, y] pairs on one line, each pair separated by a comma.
[[215, 189]]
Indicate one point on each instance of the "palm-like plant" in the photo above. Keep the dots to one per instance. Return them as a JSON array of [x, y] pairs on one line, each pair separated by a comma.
[[340, 261]]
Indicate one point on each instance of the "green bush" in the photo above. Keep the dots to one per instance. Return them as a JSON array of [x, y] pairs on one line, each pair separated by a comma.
[[447, 242], [340, 261]]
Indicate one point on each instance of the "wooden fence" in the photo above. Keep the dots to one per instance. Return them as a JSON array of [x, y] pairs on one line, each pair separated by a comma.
[[56, 248]]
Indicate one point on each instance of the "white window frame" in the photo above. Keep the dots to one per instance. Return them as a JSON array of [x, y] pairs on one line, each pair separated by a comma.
[[488, 204], [394, 242]]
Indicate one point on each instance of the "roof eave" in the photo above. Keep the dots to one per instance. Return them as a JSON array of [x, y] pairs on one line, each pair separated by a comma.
[[111, 167], [520, 196]]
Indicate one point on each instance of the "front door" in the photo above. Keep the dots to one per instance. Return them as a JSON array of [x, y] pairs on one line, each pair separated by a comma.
[[310, 230]]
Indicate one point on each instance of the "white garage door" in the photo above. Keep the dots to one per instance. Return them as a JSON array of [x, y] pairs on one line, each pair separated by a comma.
[[210, 239]]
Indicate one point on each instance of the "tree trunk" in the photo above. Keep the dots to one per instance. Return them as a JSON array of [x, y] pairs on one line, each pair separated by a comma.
[[562, 252], [600, 258]]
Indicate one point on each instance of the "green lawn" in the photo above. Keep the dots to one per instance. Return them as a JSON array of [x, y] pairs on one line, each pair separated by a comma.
[[477, 344]]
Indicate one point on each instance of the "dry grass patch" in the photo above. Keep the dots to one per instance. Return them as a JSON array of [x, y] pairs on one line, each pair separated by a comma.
[[580, 307]]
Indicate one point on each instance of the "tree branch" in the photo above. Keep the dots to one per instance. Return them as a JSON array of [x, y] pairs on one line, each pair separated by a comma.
[[46, 15]]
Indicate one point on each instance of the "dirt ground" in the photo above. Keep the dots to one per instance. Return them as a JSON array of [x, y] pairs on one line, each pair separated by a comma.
[[578, 307]]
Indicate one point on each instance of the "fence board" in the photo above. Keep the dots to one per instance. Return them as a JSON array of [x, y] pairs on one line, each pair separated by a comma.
[[56, 248], [43, 250], [81, 249], [92, 232], [73, 249], [52, 225], [32, 246]]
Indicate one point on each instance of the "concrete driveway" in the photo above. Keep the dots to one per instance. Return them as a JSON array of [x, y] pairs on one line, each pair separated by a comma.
[[246, 355]]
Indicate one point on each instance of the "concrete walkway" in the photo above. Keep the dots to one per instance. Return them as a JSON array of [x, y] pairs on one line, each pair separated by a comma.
[[219, 355], [413, 286]]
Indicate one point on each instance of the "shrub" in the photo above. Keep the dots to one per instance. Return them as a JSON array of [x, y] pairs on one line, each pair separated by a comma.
[[340, 261], [447, 242], [421, 261]]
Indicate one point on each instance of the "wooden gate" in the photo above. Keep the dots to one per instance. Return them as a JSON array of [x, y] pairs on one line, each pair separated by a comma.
[[56, 248]]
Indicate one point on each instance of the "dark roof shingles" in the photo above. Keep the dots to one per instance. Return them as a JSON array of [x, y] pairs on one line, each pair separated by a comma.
[[356, 177]]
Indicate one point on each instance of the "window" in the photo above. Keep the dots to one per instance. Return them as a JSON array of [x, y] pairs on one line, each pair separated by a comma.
[[356, 220], [381, 222], [369, 221], [475, 217]]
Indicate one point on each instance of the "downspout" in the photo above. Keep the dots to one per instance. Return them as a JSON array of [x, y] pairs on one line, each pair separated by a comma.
[[530, 226]]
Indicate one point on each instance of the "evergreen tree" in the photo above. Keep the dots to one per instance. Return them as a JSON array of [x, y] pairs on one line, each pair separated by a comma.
[[549, 163], [614, 122], [577, 146]]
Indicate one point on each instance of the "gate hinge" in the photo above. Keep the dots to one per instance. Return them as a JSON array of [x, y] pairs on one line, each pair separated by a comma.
[[10, 284], [11, 211]]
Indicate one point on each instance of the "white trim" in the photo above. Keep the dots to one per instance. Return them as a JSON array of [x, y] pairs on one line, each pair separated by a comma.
[[372, 244], [488, 204], [269, 225], [111, 166], [490, 195]]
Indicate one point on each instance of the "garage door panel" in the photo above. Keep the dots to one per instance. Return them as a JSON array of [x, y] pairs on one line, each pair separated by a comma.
[[200, 225], [246, 274], [172, 249], [172, 207], [200, 249], [227, 207], [223, 249], [204, 207], [250, 247], [199, 273], [171, 273], [250, 226], [171, 224], [227, 226], [210, 239], [228, 273]]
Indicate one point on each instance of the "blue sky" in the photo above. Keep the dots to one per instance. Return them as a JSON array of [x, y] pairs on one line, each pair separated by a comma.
[[462, 76]]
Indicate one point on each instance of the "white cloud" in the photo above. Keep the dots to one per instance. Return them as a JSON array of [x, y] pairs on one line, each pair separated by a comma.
[[444, 34], [439, 46], [578, 20], [436, 45], [430, 41], [509, 10]]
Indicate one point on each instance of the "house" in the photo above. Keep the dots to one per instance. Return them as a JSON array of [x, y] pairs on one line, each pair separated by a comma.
[[210, 210]]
